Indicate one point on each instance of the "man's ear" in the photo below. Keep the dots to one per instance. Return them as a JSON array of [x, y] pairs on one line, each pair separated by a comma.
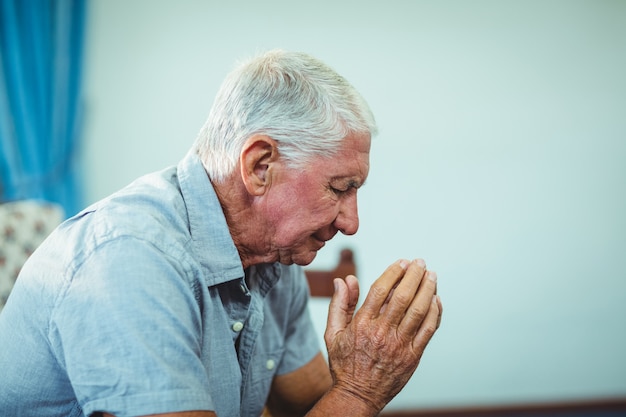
[[256, 161]]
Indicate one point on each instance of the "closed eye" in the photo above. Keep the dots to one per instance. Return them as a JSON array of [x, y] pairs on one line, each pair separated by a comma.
[[338, 191], [352, 186], [341, 188]]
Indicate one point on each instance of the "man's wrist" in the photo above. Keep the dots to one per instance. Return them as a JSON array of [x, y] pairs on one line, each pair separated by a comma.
[[343, 401]]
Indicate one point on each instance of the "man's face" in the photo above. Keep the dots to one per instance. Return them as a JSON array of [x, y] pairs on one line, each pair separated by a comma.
[[307, 207]]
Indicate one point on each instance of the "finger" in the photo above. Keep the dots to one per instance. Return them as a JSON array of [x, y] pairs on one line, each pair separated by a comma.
[[428, 327], [353, 293], [386, 303], [420, 305], [405, 292], [341, 307], [382, 287], [440, 306]]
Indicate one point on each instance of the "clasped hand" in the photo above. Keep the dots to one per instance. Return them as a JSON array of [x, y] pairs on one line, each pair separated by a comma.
[[373, 353]]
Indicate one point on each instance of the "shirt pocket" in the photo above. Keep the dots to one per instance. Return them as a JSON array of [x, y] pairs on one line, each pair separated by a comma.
[[263, 369]]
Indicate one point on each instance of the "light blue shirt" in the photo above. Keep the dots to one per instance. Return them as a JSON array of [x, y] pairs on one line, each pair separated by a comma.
[[139, 305]]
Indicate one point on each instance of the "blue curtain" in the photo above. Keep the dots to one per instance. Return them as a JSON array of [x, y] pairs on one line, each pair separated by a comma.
[[41, 44]]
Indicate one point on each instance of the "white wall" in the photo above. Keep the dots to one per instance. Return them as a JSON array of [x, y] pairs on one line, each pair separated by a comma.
[[501, 160]]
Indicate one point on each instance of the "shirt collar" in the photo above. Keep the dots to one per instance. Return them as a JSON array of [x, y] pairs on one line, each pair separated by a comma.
[[211, 239]]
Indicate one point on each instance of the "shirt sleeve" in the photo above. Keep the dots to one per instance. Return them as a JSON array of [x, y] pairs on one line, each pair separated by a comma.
[[301, 341], [127, 329]]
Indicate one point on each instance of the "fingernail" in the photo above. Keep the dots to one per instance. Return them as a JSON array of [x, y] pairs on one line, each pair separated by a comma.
[[421, 263], [403, 263], [432, 276]]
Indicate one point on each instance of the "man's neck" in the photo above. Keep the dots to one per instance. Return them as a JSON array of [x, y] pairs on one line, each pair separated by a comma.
[[244, 224]]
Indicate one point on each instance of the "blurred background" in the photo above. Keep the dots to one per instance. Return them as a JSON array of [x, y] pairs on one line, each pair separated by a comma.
[[501, 158]]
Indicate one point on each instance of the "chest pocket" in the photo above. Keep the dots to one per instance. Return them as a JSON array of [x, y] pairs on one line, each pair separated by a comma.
[[262, 371]]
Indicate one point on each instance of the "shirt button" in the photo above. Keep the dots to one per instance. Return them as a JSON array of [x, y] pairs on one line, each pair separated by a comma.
[[270, 364], [237, 326]]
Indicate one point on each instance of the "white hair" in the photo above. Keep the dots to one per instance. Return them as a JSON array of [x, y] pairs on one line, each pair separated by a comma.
[[295, 99]]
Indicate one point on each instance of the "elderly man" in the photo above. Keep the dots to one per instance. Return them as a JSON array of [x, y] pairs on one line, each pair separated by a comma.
[[182, 294]]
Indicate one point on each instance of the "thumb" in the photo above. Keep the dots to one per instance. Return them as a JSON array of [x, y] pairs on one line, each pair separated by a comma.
[[342, 306]]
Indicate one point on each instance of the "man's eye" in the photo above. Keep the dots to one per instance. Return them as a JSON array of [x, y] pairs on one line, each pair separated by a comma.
[[342, 191], [344, 188]]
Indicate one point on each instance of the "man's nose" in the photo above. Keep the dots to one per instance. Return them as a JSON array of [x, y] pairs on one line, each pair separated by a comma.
[[347, 221]]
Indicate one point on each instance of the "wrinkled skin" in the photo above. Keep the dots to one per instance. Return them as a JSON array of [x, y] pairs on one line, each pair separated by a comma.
[[373, 353]]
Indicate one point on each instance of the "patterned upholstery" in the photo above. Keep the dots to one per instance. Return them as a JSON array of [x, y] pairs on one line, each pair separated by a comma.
[[23, 226]]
